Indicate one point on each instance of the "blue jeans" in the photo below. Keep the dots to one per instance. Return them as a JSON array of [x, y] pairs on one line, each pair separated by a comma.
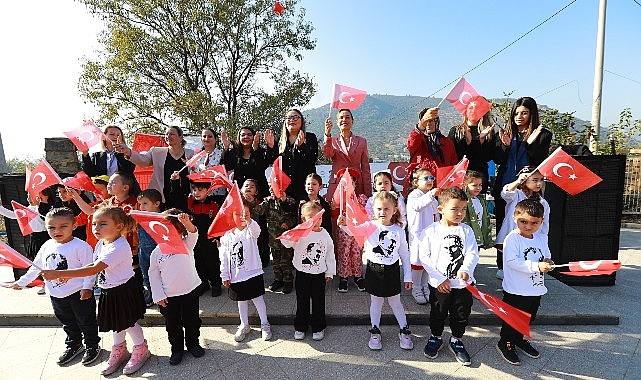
[[146, 245]]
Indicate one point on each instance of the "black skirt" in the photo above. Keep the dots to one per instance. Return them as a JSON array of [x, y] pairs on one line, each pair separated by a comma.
[[119, 308], [383, 280], [247, 290]]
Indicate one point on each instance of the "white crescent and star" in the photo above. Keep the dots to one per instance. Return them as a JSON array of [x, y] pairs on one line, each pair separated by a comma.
[[41, 175], [558, 166], [155, 223], [397, 178], [20, 213], [342, 96], [492, 305], [590, 265], [87, 132], [460, 98]]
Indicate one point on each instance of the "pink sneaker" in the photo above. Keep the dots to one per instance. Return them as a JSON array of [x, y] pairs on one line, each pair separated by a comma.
[[139, 356], [118, 355]]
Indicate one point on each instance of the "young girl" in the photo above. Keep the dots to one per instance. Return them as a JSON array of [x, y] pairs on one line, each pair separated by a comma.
[[313, 185], [121, 302], [528, 184], [249, 192], [315, 264], [175, 283], [383, 182], [422, 210], [149, 200], [477, 215], [242, 273], [383, 249]]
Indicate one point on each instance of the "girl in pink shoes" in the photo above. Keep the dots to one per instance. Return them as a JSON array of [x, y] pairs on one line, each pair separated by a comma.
[[121, 302]]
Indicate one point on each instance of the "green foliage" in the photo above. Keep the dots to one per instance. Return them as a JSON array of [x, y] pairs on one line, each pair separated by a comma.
[[501, 108], [17, 164], [564, 127], [621, 136], [199, 63]]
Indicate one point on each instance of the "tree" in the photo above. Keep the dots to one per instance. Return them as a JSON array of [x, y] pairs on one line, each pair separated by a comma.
[[17, 165], [621, 136], [198, 63]]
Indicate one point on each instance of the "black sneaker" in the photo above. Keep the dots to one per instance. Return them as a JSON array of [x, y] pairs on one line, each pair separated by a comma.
[[216, 291], [360, 283], [508, 352], [203, 289], [70, 353], [277, 284], [176, 357], [197, 351], [460, 353], [288, 287], [146, 292], [342, 285], [527, 349], [90, 356], [433, 346]]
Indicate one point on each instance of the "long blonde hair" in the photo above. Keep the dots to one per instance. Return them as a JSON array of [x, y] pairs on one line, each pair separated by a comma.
[[284, 133], [390, 196]]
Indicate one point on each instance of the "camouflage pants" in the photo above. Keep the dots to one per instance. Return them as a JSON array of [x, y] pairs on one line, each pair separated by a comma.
[[282, 263]]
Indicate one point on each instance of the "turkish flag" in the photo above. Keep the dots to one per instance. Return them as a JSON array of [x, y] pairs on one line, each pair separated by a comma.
[[82, 181], [24, 215], [347, 97], [85, 136], [217, 175], [398, 171], [449, 176], [195, 158], [575, 179], [591, 268], [27, 177], [357, 221], [144, 142], [518, 319], [161, 230], [12, 258], [301, 230], [279, 8], [42, 176], [461, 94], [278, 180], [344, 189], [224, 220], [590, 273]]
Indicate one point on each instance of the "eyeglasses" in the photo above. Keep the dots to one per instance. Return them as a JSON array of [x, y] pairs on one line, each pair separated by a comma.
[[246, 135], [426, 178], [292, 117]]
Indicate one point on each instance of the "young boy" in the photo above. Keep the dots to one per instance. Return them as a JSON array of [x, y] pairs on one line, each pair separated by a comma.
[[477, 216], [73, 302], [315, 265], [526, 257], [203, 210], [448, 252], [149, 200], [281, 216]]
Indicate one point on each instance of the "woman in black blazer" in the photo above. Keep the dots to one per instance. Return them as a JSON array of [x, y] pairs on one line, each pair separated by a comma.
[[107, 161]]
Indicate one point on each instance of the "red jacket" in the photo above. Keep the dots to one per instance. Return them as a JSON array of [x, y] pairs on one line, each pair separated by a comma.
[[420, 156]]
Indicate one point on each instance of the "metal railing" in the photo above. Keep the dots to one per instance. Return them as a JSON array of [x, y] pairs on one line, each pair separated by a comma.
[[632, 185]]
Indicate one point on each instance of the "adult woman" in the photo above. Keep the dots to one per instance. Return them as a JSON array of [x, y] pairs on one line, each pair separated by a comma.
[[247, 159], [107, 161], [213, 157], [473, 138], [299, 150], [346, 151], [428, 147], [167, 161]]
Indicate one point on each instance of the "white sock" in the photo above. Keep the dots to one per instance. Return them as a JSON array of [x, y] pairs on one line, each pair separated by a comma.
[[244, 313], [398, 310], [375, 309], [119, 337], [417, 275], [136, 334], [261, 308]]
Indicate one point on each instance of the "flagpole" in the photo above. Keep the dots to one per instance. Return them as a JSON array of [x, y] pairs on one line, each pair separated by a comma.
[[548, 158], [455, 84], [331, 100]]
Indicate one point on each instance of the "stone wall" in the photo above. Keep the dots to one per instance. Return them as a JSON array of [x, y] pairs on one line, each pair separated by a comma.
[[61, 154]]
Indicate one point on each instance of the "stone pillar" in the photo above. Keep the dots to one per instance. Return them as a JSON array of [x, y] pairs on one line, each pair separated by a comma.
[[3, 161], [61, 154]]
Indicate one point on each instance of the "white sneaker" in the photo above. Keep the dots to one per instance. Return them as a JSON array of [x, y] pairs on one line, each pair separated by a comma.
[[241, 333], [318, 335], [266, 331], [299, 335], [418, 295], [499, 274], [405, 338]]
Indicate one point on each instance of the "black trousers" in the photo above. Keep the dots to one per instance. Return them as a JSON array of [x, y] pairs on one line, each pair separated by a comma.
[[182, 312], [208, 265], [78, 319], [310, 287], [457, 305], [499, 214], [529, 304]]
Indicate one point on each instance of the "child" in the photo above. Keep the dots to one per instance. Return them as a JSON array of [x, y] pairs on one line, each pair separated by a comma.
[[83, 219], [422, 210], [281, 216], [477, 215], [66, 200], [73, 302], [249, 192], [149, 200], [526, 258], [121, 302], [315, 264], [528, 184], [449, 255], [313, 185], [203, 210], [175, 283], [383, 182], [241, 271], [383, 249]]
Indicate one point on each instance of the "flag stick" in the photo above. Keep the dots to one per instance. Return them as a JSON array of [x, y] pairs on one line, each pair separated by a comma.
[[340, 188], [547, 159], [331, 100], [441, 102]]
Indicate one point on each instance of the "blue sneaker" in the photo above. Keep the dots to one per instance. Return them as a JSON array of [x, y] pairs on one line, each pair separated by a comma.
[[433, 346], [460, 353]]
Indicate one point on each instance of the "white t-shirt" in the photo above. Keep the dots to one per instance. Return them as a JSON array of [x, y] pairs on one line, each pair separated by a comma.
[[478, 210], [117, 256], [239, 257], [511, 199], [387, 245], [314, 253], [422, 211], [174, 274], [521, 257]]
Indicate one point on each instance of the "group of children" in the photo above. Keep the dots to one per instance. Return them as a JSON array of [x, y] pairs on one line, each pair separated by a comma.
[[438, 256]]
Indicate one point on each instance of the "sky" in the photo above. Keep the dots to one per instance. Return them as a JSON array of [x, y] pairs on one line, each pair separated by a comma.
[[384, 47]]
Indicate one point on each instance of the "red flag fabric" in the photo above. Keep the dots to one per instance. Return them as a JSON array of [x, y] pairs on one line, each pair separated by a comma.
[[42, 176], [82, 181], [161, 230], [452, 175], [85, 136], [357, 221], [344, 188], [301, 230], [217, 175], [575, 179], [347, 97], [476, 108], [143, 142], [195, 158], [27, 176], [279, 8], [461, 94], [518, 319], [12, 258], [24, 215], [224, 220], [585, 266], [278, 180], [589, 273]]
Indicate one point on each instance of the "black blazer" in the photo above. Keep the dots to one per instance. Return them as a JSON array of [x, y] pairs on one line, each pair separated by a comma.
[[95, 164]]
